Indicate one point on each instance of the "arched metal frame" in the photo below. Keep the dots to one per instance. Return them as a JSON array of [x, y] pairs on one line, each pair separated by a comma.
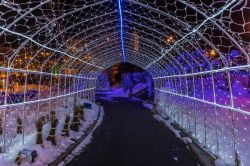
[[68, 44]]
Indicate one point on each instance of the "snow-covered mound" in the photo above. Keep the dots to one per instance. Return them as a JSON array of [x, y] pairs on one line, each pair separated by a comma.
[[48, 152], [117, 92], [139, 87], [120, 92]]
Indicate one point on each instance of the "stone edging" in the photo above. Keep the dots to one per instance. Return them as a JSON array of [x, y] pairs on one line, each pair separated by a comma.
[[72, 147]]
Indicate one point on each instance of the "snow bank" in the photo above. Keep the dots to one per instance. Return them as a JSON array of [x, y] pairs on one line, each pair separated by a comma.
[[4, 163], [186, 140], [219, 162], [48, 152], [138, 87], [168, 125], [120, 92], [117, 92], [106, 98], [85, 142], [147, 105]]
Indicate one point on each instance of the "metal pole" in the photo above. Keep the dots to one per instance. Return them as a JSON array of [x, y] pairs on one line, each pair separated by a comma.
[[50, 92], [180, 80], [65, 86], [236, 159], [77, 89], [187, 93], [24, 100], [204, 112], [58, 92], [5, 111], [74, 83], [216, 117], [195, 118], [39, 96]]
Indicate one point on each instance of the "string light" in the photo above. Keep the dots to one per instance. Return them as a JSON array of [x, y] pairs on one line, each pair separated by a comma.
[[121, 30], [197, 58]]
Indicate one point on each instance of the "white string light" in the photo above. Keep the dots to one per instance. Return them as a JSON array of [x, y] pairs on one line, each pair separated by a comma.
[[201, 75]]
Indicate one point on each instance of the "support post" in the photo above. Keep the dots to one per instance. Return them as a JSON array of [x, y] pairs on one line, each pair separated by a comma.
[[6, 109]]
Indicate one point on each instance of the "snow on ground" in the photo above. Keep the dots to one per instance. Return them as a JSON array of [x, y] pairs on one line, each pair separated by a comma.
[[49, 152], [117, 92], [85, 142], [136, 99], [138, 87], [106, 98], [186, 140], [4, 163], [175, 158], [120, 92], [190, 114], [168, 125], [219, 162], [147, 105]]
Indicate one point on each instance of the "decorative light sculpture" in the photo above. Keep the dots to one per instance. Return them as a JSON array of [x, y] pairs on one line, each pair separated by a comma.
[[200, 70]]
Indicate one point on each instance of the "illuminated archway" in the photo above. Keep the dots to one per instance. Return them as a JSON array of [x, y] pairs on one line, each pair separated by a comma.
[[193, 50]]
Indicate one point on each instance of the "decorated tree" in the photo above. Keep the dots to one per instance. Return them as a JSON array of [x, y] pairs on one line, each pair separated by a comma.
[[39, 128], [52, 133], [76, 119], [66, 126]]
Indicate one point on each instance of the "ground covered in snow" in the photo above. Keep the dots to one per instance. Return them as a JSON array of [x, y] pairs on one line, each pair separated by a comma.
[[121, 92], [48, 152]]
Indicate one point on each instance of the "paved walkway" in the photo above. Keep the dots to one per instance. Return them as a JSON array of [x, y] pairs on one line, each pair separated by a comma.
[[129, 136]]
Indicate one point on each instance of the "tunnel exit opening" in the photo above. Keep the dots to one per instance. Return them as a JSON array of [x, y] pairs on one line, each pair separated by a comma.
[[130, 80]]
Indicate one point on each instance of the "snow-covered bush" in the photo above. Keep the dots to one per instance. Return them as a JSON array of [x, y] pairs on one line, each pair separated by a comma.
[[137, 82]]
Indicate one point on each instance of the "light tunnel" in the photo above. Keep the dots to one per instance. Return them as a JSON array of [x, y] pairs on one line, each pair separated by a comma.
[[197, 52]]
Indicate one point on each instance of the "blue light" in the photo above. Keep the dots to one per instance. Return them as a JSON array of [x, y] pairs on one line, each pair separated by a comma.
[[121, 33]]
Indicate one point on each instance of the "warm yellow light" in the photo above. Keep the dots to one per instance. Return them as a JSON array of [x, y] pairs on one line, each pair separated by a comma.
[[170, 39], [211, 53]]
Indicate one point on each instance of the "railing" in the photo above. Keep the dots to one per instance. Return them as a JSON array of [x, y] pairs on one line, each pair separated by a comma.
[[29, 95], [213, 107]]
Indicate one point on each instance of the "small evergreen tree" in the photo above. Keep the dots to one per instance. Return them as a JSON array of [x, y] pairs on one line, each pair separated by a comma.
[[39, 128], [81, 112], [76, 120], [52, 133], [66, 126]]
